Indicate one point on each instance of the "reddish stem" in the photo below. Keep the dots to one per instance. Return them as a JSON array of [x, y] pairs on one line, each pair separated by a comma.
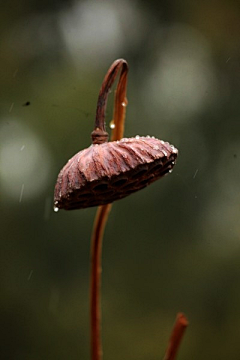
[[177, 333], [99, 135], [120, 104], [96, 251]]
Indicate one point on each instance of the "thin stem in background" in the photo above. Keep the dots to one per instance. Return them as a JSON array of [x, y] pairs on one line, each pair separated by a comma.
[[177, 333], [103, 211]]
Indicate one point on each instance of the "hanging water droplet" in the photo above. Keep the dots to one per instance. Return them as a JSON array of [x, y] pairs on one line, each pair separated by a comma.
[[55, 208], [170, 171], [112, 125], [124, 104], [137, 137], [174, 150]]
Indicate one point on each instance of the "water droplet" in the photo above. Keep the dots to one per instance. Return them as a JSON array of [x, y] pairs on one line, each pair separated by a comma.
[[174, 150], [137, 137], [21, 193], [30, 275], [112, 125], [148, 136], [195, 174], [124, 104], [55, 208], [155, 147], [170, 171], [164, 152], [11, 107], [153, 137]]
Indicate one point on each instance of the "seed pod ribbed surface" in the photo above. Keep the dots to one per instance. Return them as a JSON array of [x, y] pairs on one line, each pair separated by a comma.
[[110, 171]]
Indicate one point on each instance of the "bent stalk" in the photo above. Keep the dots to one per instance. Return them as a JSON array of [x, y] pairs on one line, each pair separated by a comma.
[[103, 211]]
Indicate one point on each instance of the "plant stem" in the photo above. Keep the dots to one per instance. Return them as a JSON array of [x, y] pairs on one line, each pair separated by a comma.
[[99, 135], [120, 105], [177, 333], [106, 87], [96, 251]]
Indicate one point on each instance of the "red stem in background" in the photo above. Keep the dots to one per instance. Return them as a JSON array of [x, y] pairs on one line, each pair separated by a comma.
[[99, 135], [177, 333]]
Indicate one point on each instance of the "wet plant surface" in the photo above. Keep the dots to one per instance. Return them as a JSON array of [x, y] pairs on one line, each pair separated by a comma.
[[176, 242], [107, 172]]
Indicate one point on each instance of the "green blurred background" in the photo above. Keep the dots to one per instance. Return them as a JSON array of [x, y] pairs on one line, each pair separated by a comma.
[[174, 246]]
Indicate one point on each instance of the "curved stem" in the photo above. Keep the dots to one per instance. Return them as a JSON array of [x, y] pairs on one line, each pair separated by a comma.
[[99, 135], [103, 211]]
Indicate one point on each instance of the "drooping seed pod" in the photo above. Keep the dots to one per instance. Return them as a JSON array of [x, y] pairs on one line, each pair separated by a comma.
[[109, 171]]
